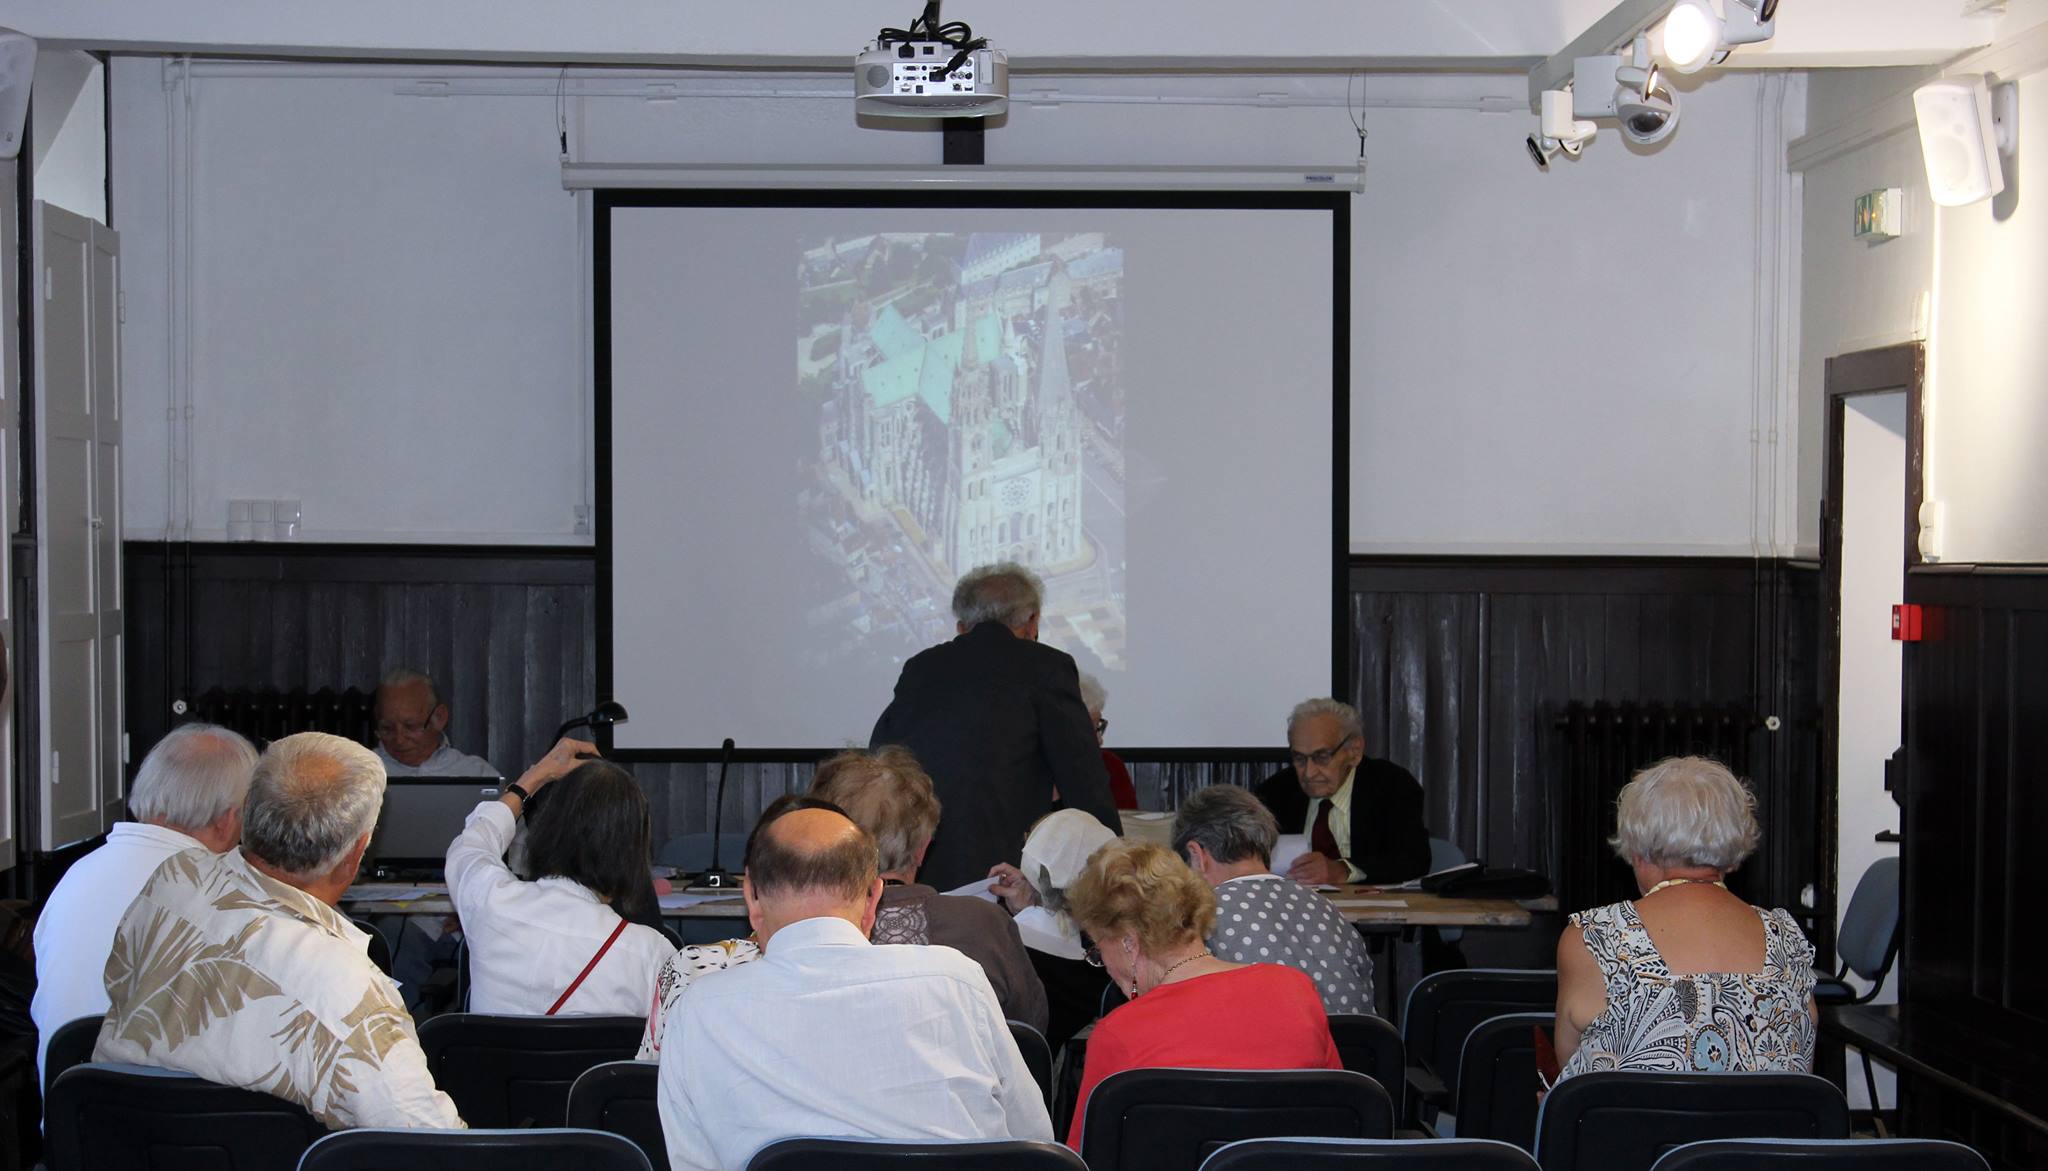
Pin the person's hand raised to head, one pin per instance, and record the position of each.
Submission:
(567, 753)
(1012, 887)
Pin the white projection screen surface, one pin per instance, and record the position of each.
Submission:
(816, 410)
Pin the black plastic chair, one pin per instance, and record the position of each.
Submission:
(549, 1149)
(1341, 1154)
(516, 1070)
(1037, 1057)
(1497, 1079)
(1624, 1121)
(140, 1119)
(380, 947)
(72, 1044)
(619, 1098)
(1372, 1046)
(1172, 1119)
(1442, 1010)
(1848, 1154)
(861, 1154)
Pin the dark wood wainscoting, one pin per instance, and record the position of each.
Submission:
(1463, 667)
(1975, 820)
(1458, 664)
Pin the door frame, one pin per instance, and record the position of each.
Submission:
(1901, 367)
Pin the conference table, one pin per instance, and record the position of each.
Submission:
(1369, 907)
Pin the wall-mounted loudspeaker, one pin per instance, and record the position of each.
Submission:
(1963, 131)
(17, 74)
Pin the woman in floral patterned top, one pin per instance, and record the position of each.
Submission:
(1687, 978)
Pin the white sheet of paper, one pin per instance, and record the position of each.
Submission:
(1286, 848)
(980, 888)
(678, 900)
(1369, 902)
(1041, 930)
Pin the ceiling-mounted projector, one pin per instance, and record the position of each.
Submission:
(931, 70)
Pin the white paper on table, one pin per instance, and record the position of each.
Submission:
(387, 892)
(677, 900)
(980, 888)
(1286, 848)
(1369, 902)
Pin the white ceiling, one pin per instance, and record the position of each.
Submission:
(1464, 35)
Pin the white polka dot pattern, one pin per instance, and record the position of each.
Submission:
(1293, 925)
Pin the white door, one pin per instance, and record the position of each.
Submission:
(76, 373)
(10, 423)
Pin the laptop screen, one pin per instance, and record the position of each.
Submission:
(421, 818)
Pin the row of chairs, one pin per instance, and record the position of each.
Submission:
(1138, 1120)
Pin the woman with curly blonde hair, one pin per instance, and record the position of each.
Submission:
(1147, 914)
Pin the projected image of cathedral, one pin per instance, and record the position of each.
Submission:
(969, 411)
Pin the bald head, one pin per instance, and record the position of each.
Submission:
(809, 850)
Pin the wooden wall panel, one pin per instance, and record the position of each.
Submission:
(1457, 665)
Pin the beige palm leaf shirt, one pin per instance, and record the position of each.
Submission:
(225, 972)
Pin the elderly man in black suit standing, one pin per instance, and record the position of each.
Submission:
(996, 718)
(1363, 817)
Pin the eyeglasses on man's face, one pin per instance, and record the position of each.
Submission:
(1321, 757)
(1101, 725)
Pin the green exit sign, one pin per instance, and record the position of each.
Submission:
(1877, 214)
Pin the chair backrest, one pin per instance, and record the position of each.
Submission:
(1037, 1057)
(380, 948)
(862, 1154)
(1444, 1007)
(1846, 1154)
(1444, 854)
(1171, 1119)
(138, 1119)
(72, 1044)
(517, 1070)
(1624, 1121)
(1395, 1154)
(546, 1149)
(1870, 928)
(1371, 1046)
(1497, 1078)
(619, 1098)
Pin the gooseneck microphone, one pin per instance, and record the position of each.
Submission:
(717, 877)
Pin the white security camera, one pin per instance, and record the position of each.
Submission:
(1646, 108)
(1559, 133)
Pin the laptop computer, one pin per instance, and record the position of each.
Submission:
(421, 817)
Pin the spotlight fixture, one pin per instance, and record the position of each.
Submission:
(1634, 94)
(1693, 36)
(1559, 133)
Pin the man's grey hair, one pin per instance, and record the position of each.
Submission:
(1686, 811)
(1093, 694)
(1231, 824)
(312, 796)
(1348, 722)
(196, 773)
(1005, 592)
(406, 676)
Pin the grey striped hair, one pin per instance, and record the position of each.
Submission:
(1231, 824)
(1686, 811)
(1308, 709)
(312, 797)
(1005, 592)
(196, 773)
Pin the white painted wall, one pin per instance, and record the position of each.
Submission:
(1988, 418)
(69, 140)
(1871, 664)
(386, 286)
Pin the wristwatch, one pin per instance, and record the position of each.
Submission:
(524, 796)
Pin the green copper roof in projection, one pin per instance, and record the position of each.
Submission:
(924, 368)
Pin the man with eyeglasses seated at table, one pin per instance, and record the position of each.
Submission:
(411, 730)
(1362, 817)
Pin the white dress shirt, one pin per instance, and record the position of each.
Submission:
(528, 940)
(76, 929)
(445, 762)
(828, 1034)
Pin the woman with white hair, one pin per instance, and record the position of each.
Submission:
(1688, 977)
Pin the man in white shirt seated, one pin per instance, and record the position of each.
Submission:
(828, 1034)
(237, 967)
(411, 730)
(188, 793)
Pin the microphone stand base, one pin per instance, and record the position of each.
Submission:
(713, 882)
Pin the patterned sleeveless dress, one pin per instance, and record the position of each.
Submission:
(1703, 1023)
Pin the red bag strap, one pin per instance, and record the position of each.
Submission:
(580, 976)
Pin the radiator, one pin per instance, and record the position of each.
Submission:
(1604, 745)
(264, 714)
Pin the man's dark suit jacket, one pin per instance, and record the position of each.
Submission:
(1388, 841)
(998, 722)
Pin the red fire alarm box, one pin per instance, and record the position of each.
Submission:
(1906, 622)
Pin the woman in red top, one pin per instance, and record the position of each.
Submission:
(1147, 914)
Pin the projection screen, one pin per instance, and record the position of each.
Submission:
(816, 410)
